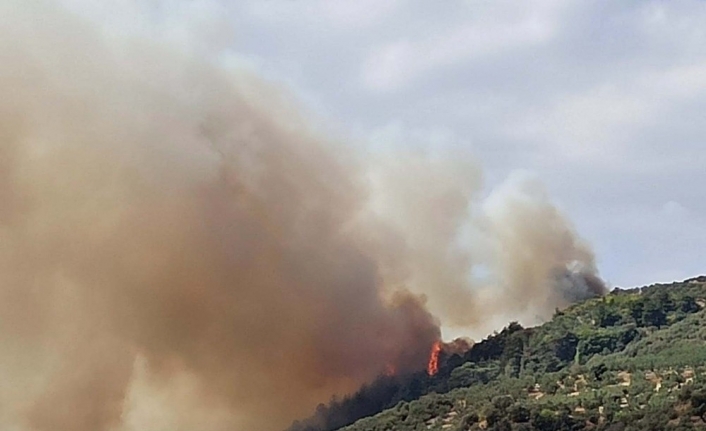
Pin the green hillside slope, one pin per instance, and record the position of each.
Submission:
(632, 360)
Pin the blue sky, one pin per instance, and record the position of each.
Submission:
(604, 101)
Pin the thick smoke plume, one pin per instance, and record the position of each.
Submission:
(180, 249)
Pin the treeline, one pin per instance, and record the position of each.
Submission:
(455, 371)
(568, 374)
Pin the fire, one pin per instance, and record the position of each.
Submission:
(433, 366)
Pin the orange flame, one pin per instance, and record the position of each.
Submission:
(433, 366)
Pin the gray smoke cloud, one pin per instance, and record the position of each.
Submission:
(181, 249)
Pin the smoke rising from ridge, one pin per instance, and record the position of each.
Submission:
(180, 248)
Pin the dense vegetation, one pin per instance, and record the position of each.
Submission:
(632, 360)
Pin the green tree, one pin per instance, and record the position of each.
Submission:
(654, 315)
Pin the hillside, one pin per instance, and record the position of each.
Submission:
(632, 360)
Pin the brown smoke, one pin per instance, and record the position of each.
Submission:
(180, 249)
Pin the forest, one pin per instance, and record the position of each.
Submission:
(631, 360)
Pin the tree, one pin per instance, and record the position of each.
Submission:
(654, 315)
(637, 309)
(511, 358)
(606, 316)
(544, 420)
(565, 347)
(468, 421)
(518, 413)
(698, 404)
(688, 304)
(665, 301)
(598, 371)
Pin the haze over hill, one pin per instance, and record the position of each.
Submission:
(181, 248)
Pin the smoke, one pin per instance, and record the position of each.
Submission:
(181, 249)
(481, 260)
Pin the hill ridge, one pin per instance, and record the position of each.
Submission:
(632, 359)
